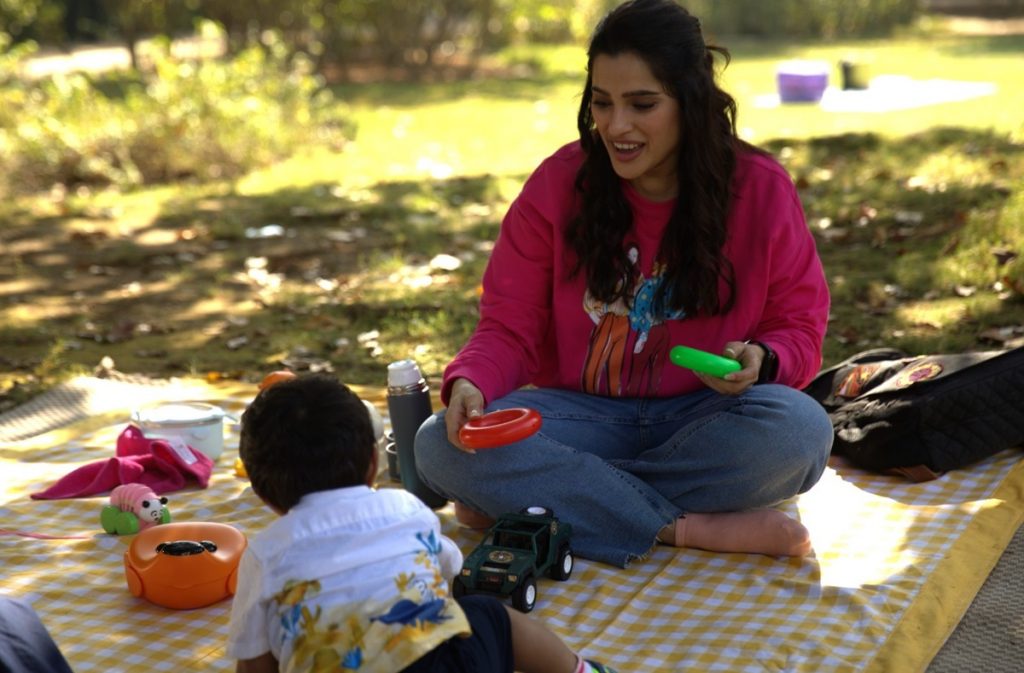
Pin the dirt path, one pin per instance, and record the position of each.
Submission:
(98, 58)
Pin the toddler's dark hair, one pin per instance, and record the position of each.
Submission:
(304, 435)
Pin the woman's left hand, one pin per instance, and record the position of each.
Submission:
(750, 356)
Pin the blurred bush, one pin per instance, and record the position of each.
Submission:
(827, 19)
(415, 36)
(10, 58)
(205, 119)
(412, 35)
(174, 119)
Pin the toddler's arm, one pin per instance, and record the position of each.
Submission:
(450, 558)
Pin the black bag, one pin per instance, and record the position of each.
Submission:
(922, 416)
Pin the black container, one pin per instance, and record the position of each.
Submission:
(409, 406)
(855, 75)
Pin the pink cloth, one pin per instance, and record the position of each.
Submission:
(162, 465)
(539, 325)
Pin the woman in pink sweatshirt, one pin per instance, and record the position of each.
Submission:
(659, 227)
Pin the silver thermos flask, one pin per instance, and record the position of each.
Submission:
(409, 406)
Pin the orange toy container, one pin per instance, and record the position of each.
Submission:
(184, 565)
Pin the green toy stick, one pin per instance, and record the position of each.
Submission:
(702, 361)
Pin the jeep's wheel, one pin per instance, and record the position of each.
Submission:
(561, 569)
(525, 595)
(458, 588)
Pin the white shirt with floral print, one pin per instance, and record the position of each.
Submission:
(350, 579)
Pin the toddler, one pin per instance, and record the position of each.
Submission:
(353, 578)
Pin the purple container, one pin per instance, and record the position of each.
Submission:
(801, 83)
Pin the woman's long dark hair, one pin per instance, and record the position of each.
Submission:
(669, 40)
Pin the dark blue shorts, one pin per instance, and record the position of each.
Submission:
(25, 644)
(488, 650)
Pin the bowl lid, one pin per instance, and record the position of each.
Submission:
(178, 413)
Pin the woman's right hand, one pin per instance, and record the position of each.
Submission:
(465, 402)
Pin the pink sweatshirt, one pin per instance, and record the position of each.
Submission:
(538, 327)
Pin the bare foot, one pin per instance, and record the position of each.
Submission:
(756, 531)
(470, 518)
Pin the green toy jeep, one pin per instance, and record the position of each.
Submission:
(518, 548)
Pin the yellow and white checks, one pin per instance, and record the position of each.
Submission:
(895, 565)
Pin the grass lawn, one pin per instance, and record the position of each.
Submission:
(467, 126)
(348, 260)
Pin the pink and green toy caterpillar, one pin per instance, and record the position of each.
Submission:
(133, 507)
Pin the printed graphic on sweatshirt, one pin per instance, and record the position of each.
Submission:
(629, 344)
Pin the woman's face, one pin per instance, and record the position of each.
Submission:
(638, 123)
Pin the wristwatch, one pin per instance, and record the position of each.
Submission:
(769, 364)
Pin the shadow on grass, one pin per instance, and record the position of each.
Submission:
(397, 94)
(236, 284)
(907, 230)
(224, 284)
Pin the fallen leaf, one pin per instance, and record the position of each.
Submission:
(909, 217)
(151, 354)
(965, 290)
(1003, 255)
(1015, 284)
(445, 262)
(266, 231)
(1001, 335)
(122, 331)
(105, 367)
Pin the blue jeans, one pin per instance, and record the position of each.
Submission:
(621, 469)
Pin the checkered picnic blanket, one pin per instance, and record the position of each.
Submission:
(895, 566)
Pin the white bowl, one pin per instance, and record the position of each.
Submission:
(198, 424)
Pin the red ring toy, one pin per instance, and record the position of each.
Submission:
(499, 428)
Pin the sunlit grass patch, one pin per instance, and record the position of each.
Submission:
(348, 257)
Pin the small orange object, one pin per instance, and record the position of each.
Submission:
(276, 377)
(184, 565)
